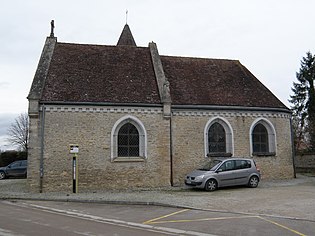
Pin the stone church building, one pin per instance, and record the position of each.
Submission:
(141, 119)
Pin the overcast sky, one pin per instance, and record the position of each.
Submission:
(268, 37)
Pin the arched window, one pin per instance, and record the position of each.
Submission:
(260, 139)
(217, 139)
(128, 140)
(218, 136)
(263, 138)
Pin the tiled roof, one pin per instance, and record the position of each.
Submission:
(124, 74)
(93, 73)
(126, 38)
(200, 81)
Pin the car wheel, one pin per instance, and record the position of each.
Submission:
(253, 182)
(2, 175)
(211, 185)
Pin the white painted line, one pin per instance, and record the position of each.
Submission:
(4, 232)
(112, 221)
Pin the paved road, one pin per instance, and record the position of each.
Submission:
(286, 198)
(25, 219)
(283, 207)
(69, 218)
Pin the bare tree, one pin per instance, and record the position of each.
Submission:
(18, 132)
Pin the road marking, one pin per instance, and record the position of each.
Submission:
(4, 232)
(145, 225)
(282, 226)
(202, 219)
(165, 216)
(159, 221)
(121, 223)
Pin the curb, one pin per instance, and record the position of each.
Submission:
(150, 203)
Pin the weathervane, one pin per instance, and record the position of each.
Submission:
(52, 26)
(126, 17)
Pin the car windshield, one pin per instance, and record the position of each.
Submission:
(211, 165)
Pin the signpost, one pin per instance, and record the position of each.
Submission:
(74, 149)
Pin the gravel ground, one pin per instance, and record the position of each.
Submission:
(294, 198)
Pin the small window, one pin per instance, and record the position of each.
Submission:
(228, 165)
(24, 163)
(217, 141)
(218, 138)
(260, 139)
(242, 164)
(263, 138)
(128, 141)
(15, 164)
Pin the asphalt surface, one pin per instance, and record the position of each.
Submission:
(21, 217)
(292, 199)
(18, 219)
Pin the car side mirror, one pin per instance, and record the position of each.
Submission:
(219, 170)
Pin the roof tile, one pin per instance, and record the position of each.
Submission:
(93, 73)
(116, 74)
(201, 81)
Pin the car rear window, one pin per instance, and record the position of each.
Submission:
(24, 163)
(242, 164)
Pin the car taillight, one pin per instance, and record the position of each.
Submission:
(257, 168)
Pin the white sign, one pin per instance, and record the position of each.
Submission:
(74, 148)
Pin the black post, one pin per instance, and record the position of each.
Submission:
(74, 165)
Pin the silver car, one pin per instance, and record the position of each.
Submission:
(225, 172)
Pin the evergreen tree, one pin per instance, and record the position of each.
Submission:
(303, 101)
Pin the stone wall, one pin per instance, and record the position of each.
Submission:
(33, 159)
(91, 129)
(305, 163)
(188, 142)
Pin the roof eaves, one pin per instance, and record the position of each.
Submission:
(230, 108)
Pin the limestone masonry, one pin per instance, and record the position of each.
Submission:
(142, 120)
